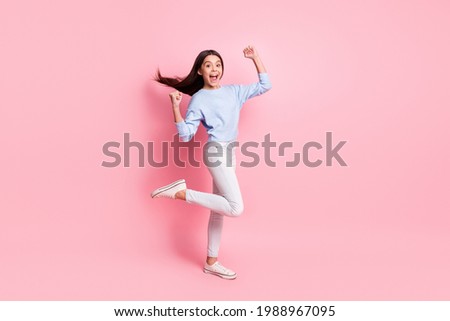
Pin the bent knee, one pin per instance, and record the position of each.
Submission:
(237, 209)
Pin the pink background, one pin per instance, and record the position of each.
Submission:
(77, 74)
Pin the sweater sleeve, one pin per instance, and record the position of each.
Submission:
(188, 127)
(246, 92)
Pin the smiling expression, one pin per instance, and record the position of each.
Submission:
(211, 71)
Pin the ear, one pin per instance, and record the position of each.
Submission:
(199, 72)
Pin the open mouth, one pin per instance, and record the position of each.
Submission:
(214, 77)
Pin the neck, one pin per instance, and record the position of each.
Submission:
(211, 87)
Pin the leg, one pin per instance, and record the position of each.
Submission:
(215, 226)
(229, 202)
(212, 266)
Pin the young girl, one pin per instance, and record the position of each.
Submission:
(217, 107)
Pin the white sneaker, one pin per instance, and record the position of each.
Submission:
(170, 190)
(219, 270)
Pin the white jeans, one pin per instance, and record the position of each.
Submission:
(226, 198)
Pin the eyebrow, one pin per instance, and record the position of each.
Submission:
(217, 61)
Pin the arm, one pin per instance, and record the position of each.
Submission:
(263, 85)
(175, 97)
(186, 128)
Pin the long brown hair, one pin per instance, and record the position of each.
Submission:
(193, 82)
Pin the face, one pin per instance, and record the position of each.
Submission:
(211, 70)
